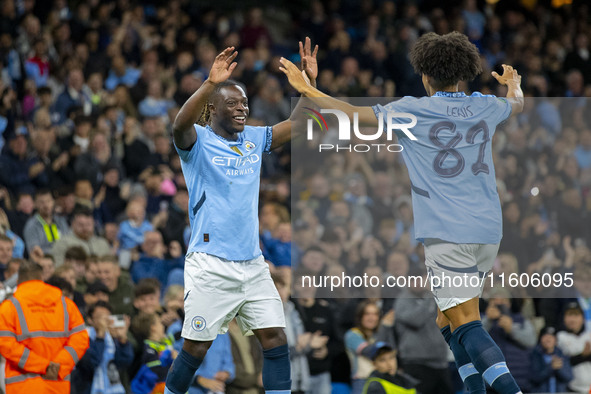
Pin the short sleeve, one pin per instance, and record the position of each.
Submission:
(353, 341)
(187, 154)
(394, 106)
(504, 109)
(268, 138)
(502, 106)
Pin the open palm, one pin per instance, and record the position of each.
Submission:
(309, 62)
(223, 65)
(297, 78)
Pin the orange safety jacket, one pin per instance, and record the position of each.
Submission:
(38, 325)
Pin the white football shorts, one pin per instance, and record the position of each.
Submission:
(456, 271)
(217, 290)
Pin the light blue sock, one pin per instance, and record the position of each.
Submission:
(277, 370)
(470, 376)
(486, 357)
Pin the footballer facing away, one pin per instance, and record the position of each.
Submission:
(225, 273)
(457, 213)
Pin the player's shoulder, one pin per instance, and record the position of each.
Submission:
(402, 102)
(256, 134)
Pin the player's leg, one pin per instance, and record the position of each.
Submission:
(183, 368)
(470, 376)
(262, 313)
(460, 307)
(211, 302)
(486, 356)
(276, 366)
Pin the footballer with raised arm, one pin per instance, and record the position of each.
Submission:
(226, 275)
(457, 212)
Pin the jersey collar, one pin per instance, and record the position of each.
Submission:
(238, 141)
(449, 94)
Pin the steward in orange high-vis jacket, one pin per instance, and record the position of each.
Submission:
(42, 336)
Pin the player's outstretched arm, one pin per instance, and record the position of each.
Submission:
(512, 79)
(182, 130)
(282, 133)
(298, 81)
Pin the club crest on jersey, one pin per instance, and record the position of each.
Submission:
(249, 146)
(235, 149)
(198, 323)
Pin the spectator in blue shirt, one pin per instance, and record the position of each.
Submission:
(154, 105)
(121, 74)
(72, 96)
(37, 67)
(152, 263)
(583, 150)
(131, 231)
(97, 371)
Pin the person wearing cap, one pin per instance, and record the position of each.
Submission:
(386, 378)
(575, 343)
(550, 369)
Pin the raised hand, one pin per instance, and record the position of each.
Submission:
(510, 76)
(298, 79)
(223, 65)
(309, 62)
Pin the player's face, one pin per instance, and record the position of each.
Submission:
(231, 109)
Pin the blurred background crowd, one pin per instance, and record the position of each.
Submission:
(91, 187)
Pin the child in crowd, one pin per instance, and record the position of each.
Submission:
(131, 231)
(386, 378)
(157, 355)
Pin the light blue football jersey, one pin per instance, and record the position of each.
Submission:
(450, 165)
(223, 179)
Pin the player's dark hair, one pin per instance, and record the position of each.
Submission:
(205, 115)
(447, 59)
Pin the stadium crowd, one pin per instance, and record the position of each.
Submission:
(92, 190)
